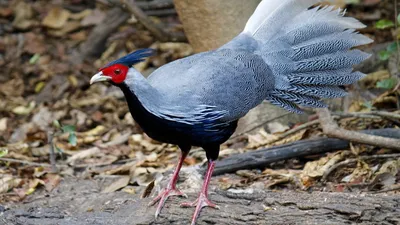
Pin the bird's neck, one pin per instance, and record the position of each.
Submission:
(143, 99)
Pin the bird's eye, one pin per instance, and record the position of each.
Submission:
(117, 71)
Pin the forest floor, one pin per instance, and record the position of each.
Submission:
(70, 153)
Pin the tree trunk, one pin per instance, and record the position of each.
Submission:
(209, 24)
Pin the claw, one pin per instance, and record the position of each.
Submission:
(171, 189)
(163, 196)
(201, 202)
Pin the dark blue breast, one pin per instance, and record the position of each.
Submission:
(200, 134)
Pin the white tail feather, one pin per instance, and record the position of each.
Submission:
(307, 50)
(274, 14)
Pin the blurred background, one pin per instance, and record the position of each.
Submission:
(49, 115)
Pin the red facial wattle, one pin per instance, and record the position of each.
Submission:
(116, 72)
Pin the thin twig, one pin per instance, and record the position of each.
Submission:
(357, 115)
(371, 115)
(393, 117)
(147, 5)
(396, 29)
(28, 163)
(349, 161)
(397, 41)
(330, 128)
(387, 114)
(50, 136)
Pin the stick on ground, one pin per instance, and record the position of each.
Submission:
(261, 158)
(330, 128)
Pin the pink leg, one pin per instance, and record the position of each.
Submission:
(202, 200)
(171, 189)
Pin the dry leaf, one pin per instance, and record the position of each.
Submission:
(129, 189)
(80, 15)
(143, 176)
(51, 181)
(122, 169)
(56, 18)
(391, 166)
(24, 110)
(7, 183)
(261, 138)
(23, 16)
(362, 173)
(95, 131)
(386, 100)
(318, 168)
(276, 127)
(118, 184)
(139, 140)
(83, 154)
(35, 44)
(292, 138)
(3, 124)
(43, 118)
(14, 87)
(94, 18)
(179, 50)
(33, 184)
(69, 27)
(79, 36)
(382, 181)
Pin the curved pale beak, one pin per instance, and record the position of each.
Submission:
(98, 77)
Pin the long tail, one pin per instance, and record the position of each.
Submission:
(308, 50)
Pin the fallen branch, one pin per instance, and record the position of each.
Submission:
(330, 128)
(349, 161)
(260, 158)
(95, 43)
(164, 4)
(131, 7)
(161, 12)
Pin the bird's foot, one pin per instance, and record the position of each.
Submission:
(201, 202)
(163, 196)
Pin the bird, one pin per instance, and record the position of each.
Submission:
(291, 53)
